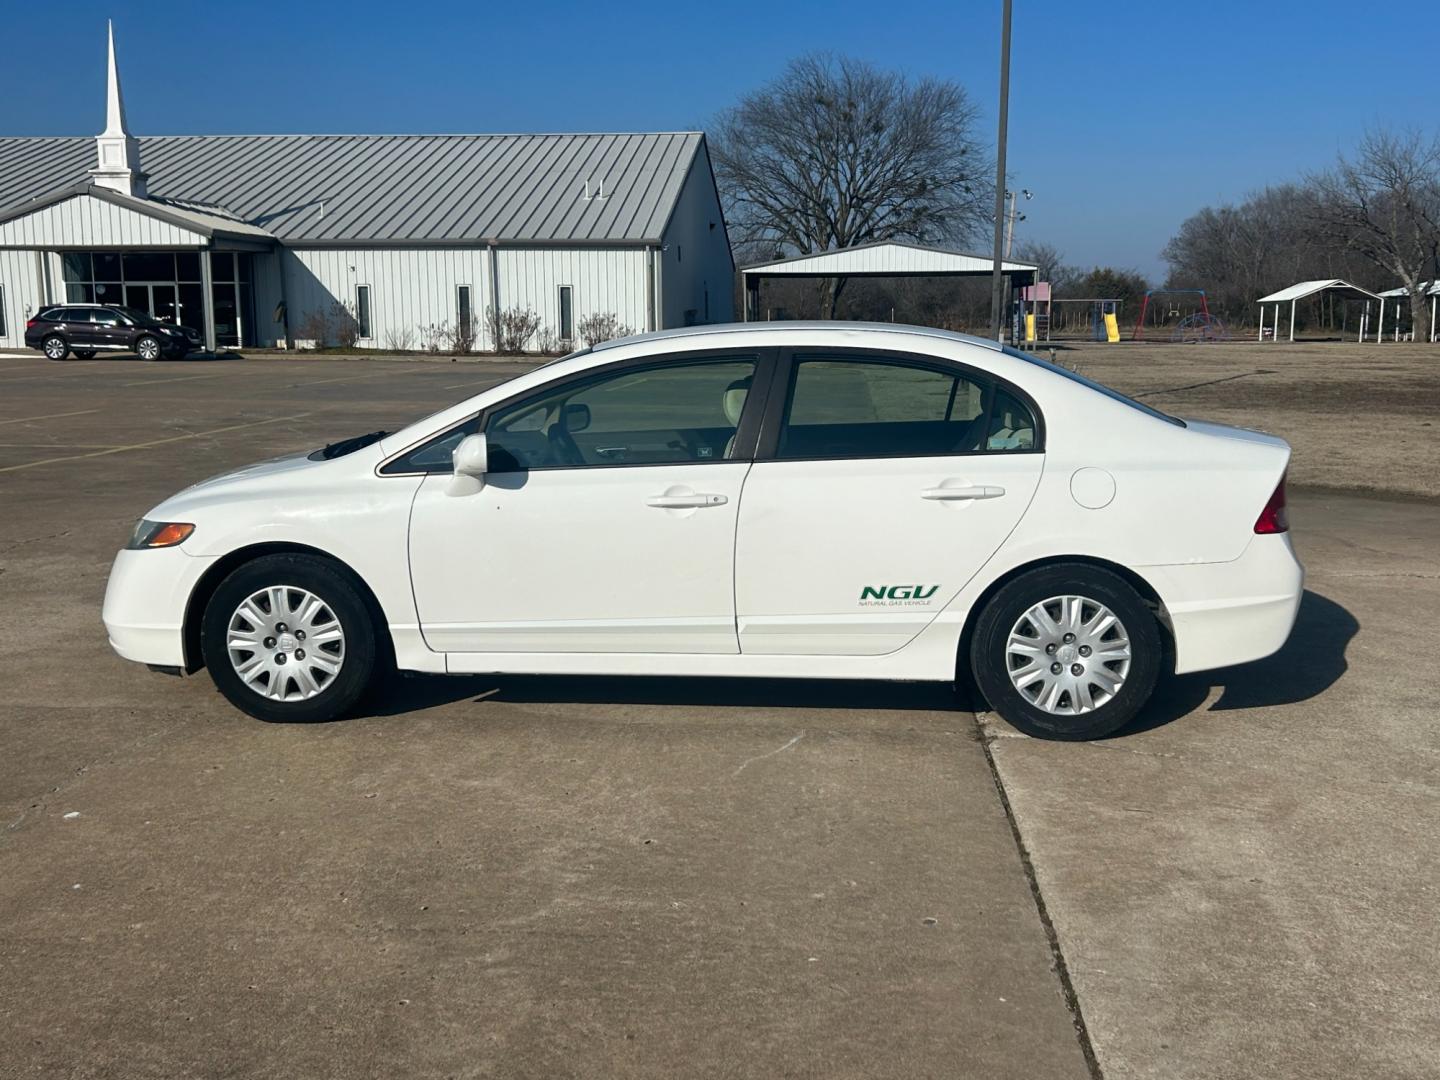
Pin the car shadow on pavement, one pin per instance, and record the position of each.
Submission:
(415, 692)
(1309, 663)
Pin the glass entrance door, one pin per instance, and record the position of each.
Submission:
(155, 298)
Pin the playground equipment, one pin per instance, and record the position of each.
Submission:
(1097, 319)
(1200, 327)
(1173, 310)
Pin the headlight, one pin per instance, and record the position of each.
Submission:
(158, 534)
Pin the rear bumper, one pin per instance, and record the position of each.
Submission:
(1231, 613)
(145, 599)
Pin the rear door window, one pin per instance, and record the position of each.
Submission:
(881, 408)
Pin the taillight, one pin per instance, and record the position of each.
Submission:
(1273, 518)
(29, 324)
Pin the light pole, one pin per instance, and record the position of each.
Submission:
(996, 281)
(1014, 217)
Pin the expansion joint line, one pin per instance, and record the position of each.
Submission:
(1062, 971)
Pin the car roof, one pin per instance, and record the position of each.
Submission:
(812, 325)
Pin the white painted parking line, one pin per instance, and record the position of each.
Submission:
(154, 442)
(161, 380)
(48, 416)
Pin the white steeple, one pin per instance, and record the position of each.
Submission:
(118, 152)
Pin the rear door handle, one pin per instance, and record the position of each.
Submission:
(979, 491)
(685, 502)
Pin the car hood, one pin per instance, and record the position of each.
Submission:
(270, 467)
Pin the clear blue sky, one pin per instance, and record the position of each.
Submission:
(1123, 122)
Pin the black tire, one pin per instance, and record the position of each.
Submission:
(148, 344)
(55, 347)
(85, 354)
(991, 659)
(337, 588)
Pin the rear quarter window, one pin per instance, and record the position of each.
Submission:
(1098, 387)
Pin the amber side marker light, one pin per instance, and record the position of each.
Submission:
(159, 534)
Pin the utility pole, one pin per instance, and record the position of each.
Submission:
(1013, 217)
(996, 280)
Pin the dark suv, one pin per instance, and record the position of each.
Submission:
(86, 329)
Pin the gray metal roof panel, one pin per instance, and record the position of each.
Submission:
(392, 188)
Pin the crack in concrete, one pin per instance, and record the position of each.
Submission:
(772, 753)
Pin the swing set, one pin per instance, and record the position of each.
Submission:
(1172, 310)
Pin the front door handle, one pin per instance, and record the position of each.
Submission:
(979, 491)
(686, 502)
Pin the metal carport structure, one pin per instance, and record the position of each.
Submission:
(885, 258)
(1432, 290)
(1303, 290)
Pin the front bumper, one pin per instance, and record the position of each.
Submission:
(145, 599)
(1234, 612)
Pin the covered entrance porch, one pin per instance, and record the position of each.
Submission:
(182, 263)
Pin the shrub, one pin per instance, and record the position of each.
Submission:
(548, 343)
(601, 326)
(434, 336)
(462, 338)
(512, 329)
(398, 340)
(316, 327)
(347, 326)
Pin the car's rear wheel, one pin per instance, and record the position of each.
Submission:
(290, 638)
(55, 347)
(148, 348)
(1068, 651)
(85, 354)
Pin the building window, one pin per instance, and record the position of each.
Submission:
(463, 318)
(567, 314)
(3, 330)
(362, 310)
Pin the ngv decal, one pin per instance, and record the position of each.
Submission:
(892, 594)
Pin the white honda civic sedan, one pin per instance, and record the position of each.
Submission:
(821, 501)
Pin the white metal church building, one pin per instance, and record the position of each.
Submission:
(243, 236)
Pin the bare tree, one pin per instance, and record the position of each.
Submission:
(836, 153)
(1384, 203)
(1049, 263)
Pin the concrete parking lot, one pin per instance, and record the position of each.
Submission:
(627, 877)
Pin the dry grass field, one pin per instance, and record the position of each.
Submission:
(1363, 418)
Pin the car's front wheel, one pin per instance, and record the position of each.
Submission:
(148, 348)
(55, 347)
(289, 637)
(1068, 651)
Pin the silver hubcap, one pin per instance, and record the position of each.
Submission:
(1068, 655)
(54, 348)
(285, 643)
(149, 350)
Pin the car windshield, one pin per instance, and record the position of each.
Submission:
(1098, 387)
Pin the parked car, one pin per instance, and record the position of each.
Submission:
(86, 329)
(790, 500)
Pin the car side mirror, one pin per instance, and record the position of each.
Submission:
(470, 459)
(576, 418)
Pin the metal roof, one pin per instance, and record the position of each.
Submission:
(206, 220)
(1431, 289)
(1302, 289)
(886, 257)
(332, 189)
